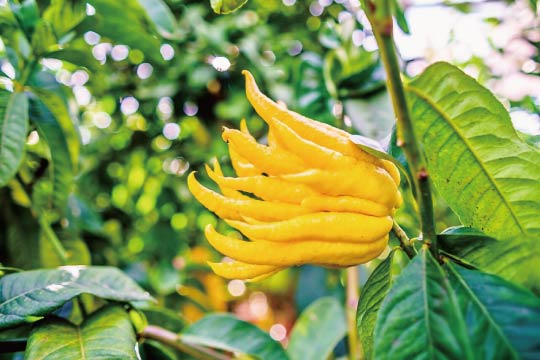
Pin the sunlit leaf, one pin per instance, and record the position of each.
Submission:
(106, 334)
(64, 15)
(226, 6)
(161, 16)
(484, 171)
(318, 330)
(39, 292)
(13, 129)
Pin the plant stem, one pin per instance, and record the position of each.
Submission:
(350, 308)
(53, 239)
(380, 16)
(404, 240)
(175, 341)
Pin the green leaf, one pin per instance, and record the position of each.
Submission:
(372, 295)
(161, 16)
(225, 332)
(399, 14)
(58, 108)
(62, 168)
(318, 330)
(13, 129)
(64, 15)
(39, 292)
(27, 14)
(43, 38)
(226, 6)
(420, 317)
(75, 56)
(484, 171)
(503, 320)
(513, 260)
(106, 334)
(125, 22)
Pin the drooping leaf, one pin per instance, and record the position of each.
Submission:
(226, 332)
(399, 14)
(106, 334)
(62, 168)
(503, 320)
(161, 16)
(226, 6)
(125, 22)
(39, 292)
(372, 295)
(13, 129)
(420, 316)
(484, 171)
(318, 330)
(58, 107)
(64, 15)
(513, 259)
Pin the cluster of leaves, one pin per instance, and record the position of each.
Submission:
(120, 200)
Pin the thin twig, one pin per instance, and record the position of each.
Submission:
(404, 240)
(380, 16)
(353, 294)
(175, 341)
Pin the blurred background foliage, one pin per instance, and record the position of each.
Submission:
(139, 91)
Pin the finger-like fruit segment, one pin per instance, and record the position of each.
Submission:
(322, 226)
(264, 187)
(241, 166)
(345, 204)
(317, 132)
(287, 254)
(228, 192)
(376, 185)
(241, 270)
(229, 208)
(270, 160)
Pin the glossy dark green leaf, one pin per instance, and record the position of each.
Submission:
(62, 168)
(484, 171)
(503, 320)
(58, 107)
(64, 15)
(318, 330)
(161, 16)
(420, 316)
(125, 22)
(165, 318)
(372, 295)
(226, 332)
(226, 6)
(106, 334)
(39, 292)
(13, 129)
(513, 259)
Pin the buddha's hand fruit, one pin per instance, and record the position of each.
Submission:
(317, 197)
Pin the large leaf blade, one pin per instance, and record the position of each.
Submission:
(372, 295)
(512, 260)
(420, 317)
(161, 16)
(318, 330)
(503, 320)
(13, 129)
(62, 173)
(484, 171)
(224, 331)
(39, 292)
(106, 334)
